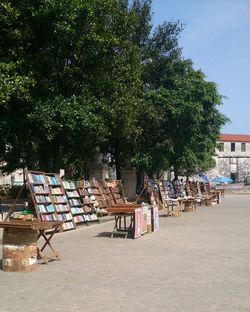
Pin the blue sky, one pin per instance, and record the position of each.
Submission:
(217, 38)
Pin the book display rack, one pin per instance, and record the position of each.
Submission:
(95, 194)
(116, 192)
(178, 188)
(49, 198)
(205, 188)
(60, 201)
(100, 202)
(169, 190)
(107, 195)
(76, 206)
(88, 201)
(40, 195)
(151, 194)
(162, 195)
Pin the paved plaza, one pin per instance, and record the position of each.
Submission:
(198, 262)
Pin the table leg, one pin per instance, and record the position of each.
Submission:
(125, 227)
(131, 226)
(120, 223)
(55, 254)
(115, 227)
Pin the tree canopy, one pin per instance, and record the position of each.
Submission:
(77, 76)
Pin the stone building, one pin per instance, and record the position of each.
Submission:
(233, 156)
(14, 178)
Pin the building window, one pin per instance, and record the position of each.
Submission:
(232, 147)
(221, 147)
(243, 147)
(233, 160)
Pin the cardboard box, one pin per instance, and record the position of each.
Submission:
(208, 202)
(19, 258)
(203, 202)
(16, 236)
(13, 252)
(19, 265)
(19, 250)
(189, 206)
(175, 213)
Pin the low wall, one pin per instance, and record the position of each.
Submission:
(237, 188)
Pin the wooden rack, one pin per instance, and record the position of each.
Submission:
(76, 206)
(88, 201)
(49, 199)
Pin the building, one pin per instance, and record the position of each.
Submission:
(14, 178)
(233, 156)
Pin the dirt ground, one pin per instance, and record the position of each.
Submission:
(197, 262)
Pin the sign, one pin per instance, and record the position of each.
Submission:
(155, 219)
(149, 220)
(138, 222)
(144, 219)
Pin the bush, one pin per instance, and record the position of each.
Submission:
(8, 191)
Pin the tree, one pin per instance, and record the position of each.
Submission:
(78, 76)
(46, 107)
(181, 124)
(202, 123)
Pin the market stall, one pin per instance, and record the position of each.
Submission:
(132, 220)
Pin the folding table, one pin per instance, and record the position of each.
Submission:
(40, 227)
(122, 213)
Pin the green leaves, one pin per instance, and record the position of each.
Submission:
(77, 76)
(180, 121)
(13, 84)
(61, 116)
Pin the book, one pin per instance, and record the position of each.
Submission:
(42, 199)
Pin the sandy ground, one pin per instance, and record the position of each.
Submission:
(197, 262)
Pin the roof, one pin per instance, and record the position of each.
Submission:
(235, 137)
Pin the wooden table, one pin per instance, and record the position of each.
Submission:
(40, 227)
(122, 213)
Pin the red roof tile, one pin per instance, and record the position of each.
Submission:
(235, 137)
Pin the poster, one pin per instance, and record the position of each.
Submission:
(144, 219)
(138, 222)
(155, 219)
(149, 220)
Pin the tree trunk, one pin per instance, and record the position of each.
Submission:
(117, 161)
(139, 180)
(118, 166)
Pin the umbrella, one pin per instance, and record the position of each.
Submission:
(204, 178)
(221, 179)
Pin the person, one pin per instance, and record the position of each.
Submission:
(175, 178)
(177, 186)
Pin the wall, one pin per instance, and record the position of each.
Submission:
(236, 162)
(15, 178)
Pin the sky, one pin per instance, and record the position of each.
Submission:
(216, 37)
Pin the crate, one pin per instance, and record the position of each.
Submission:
(19, 250)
